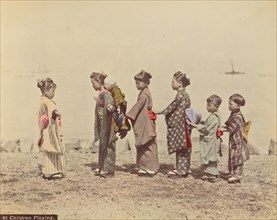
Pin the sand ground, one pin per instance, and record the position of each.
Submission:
(81, 195)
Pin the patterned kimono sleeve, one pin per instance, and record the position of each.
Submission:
(187, 101)
(43, 110)
(210, 125)
(96, 127)
(173, 105)
(135, 110)
(234, 125)
(108, 100)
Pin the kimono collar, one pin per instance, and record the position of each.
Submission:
(47, 99)
(233, 114)
(145, 90)
(181, 89)
(102, 91)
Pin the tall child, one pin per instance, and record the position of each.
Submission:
(50, 142)
(238, 153)
(103, 129)
(210, 142)
(178, 132)
(143, 122)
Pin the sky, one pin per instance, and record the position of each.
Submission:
(124, 36)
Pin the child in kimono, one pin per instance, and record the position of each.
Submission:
(143, 123)
(238, 152)
(210, 143)
(120, 125)
(178, 131)
(103, 129)
(50, 142)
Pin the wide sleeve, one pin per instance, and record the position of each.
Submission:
(209, 126)
(43, 109)
(108, 99)
(172, 106)
(234, 125)
(43, 115)
(135, 110)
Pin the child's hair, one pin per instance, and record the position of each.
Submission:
(143, 76)
(44, 84)
(98, 77)
(215, 99)
(238, 99)
(181, 77)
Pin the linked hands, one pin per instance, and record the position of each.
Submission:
(157, 112)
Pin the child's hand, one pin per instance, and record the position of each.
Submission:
(223, 128)
(110, 108)
(157, 112)
(202, 122)
(193, 125)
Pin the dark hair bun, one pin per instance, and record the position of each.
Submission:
(143, 76)
(181, 77)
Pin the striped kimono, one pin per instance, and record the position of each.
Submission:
(238, 152)
(52, 145)
(104, 132)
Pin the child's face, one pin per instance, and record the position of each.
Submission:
(233, 106)
(140, 84)
(50, 93)
(211, 107)
(96, 85)
(175, 84)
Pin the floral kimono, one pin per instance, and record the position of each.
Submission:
(144, 130)
(178, 133)
(103, 131)
(51, 142)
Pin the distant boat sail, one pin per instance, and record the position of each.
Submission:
(233, 70)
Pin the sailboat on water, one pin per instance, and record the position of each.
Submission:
(233, 72)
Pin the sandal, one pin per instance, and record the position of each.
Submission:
(54, 176)
(234, 179)
(210, 178)
(105, 174)
(97, 172)
(144, 172)
(175, 173)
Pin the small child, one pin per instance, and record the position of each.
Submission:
(210, 143)
(119, 124)
(50, 141)
(238, 153)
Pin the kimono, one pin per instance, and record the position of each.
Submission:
(238, 152)
(51, 143)
(176, 122)
(210, 143)
(118, 124)
(178, 132)
(144, 131)
(104, 132)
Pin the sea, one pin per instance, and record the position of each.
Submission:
(75, 100)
